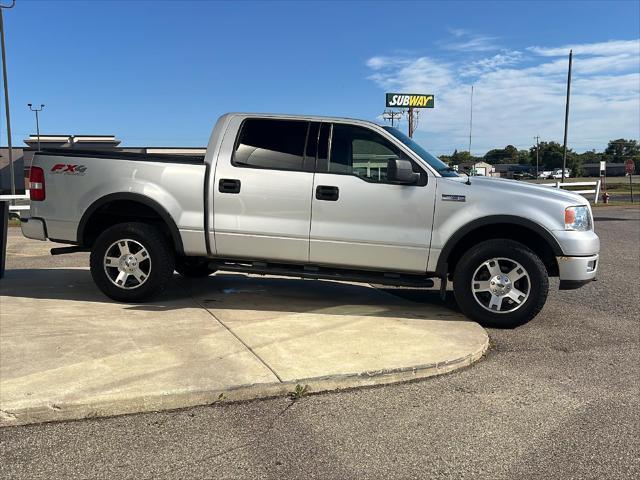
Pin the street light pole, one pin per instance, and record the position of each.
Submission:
(6, 99)
(537, 137)
(37, 110)
(4, 205)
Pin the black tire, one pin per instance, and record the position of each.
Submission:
(160, 256)
(194, 267)
(509, 250)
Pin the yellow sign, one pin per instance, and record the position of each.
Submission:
(413, 100)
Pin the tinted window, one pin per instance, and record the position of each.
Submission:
(277, 144)
(441, 167)
(361, 152)
(323, 142)
(312, 140)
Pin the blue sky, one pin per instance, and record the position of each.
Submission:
(160, 73)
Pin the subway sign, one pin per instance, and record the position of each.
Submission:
(405, 100)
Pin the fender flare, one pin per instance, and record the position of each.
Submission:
(454, 239)
(133, 197)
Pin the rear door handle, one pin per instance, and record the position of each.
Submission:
(227, 185)
(328, 193)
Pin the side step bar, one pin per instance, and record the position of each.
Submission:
(323, 273)
(65, 250)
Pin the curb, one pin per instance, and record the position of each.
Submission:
(112, 405)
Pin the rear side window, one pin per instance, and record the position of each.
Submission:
(271, 144)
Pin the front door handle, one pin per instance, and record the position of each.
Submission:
(227, 185)
(328, 193)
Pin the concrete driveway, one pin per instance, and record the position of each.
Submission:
(68, 352)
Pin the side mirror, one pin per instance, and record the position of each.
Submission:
(401, 171)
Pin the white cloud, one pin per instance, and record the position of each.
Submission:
(613, 47)
(477, 67)
(519, 95)
(466, 41)
(417, 73)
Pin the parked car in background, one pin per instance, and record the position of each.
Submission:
(313, 197)
(545, 174)
(557, 173)
(523, 176)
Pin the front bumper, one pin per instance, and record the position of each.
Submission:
(34, 228)
(577, 271)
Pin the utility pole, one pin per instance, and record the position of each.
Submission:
(471, 121)
(391, 115)
(537, 137)
(6, 98)
(37, 110)
(566, 116)
(410, 117)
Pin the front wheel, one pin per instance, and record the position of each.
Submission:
(131, 262)
(500, 283)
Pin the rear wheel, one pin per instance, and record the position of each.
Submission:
(131, 262)
(501, 283)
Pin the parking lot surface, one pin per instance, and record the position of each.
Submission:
(556, 398)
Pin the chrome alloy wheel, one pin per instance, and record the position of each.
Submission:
(501, 285)
(127, 264)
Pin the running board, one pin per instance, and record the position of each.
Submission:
(65, 250)
(324, 273)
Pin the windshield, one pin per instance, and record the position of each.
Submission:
(441, 167)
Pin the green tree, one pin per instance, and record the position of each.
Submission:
(590, 156)
(551, 154)
(508, 154)
(523, 157)
(446, 159)
(462, 157)
(574, 163)
(620, 150)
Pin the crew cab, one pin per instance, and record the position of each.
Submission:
(313, 197)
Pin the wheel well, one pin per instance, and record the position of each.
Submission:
(113, 212)
(528, 237)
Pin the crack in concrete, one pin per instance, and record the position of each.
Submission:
(199, 303)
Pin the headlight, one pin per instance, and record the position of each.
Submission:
(577, 218)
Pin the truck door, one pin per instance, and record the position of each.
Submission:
(262, 196)
(358, 218)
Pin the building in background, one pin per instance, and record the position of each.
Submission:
(22, 156)
(476, 168)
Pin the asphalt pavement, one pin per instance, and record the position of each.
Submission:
(556, 398)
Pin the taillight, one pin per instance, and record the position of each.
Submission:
(36, 184)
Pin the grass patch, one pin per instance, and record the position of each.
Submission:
(299, 392)
(615, 203)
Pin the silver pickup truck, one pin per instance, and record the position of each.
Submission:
(313, 197)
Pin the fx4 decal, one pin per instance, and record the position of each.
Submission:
(66, 169)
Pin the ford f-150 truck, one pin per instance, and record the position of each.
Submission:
(313, 197)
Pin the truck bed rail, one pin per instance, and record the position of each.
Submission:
(119, 155)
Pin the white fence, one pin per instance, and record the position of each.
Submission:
(567, 185)
(17, 208)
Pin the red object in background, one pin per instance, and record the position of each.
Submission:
(36, 184)
(605, 197)
(629, 167)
